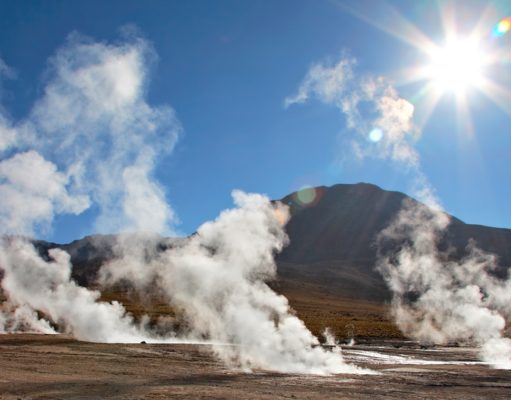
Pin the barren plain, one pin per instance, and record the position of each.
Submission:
(59, 367)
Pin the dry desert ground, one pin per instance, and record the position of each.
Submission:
(59, 367)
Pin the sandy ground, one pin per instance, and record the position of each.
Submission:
(56, 367)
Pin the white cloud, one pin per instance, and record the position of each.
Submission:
(32, 192)
(437, 299)
(367, 103)
(217, 279)
(395, 120)
(326, 83)
(144, 200)
(6, 71)
(94, 125)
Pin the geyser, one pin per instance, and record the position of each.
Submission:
(92, 139)
(438, 299)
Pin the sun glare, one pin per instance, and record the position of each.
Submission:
(456, 67)
(468, 61)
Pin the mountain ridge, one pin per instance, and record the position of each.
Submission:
(327, 272)
(332, 248)
(335, 236)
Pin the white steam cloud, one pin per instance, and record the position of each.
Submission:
(32, 283)
(92, 140)
(371, 106)
(32, 191)
(94, 131)
(440, 300)
(435, 299)
(217, 278)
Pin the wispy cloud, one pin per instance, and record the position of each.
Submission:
(32, 191)
(6, 72)
(327, 83)
(371, 106)
(7, 133)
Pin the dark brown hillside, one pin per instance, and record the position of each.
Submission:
(341, 225)
(332, 241)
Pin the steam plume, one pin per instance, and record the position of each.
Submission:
(89, 140)
(32, 283)
(440, 300)
(371, 106)
(93, 140)
(435, 298)
(217, 277)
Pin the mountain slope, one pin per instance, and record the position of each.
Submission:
(332, 239)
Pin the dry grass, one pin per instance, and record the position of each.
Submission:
(345, 317)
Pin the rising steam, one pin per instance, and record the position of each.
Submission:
(33, 284)
(91, 143)
(440, 300)
(436, 299)
(217, 277)
(371, 106)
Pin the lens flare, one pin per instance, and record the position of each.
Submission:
(467, 63)
(375, 135)
(308, 196)
(502, 27)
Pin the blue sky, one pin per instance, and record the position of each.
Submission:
(226, 67)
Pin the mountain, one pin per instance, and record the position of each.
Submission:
(332, 238)
(91, 252)
(327, 271)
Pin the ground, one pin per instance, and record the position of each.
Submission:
(59, 367)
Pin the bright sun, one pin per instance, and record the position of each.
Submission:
(456, 67)
(473, 59)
